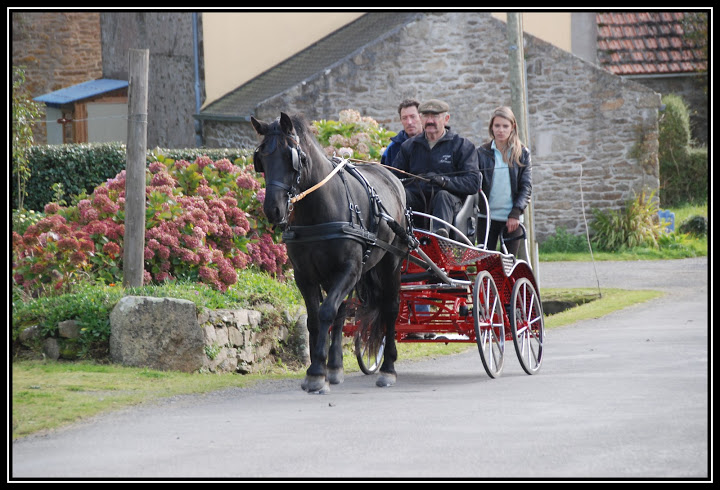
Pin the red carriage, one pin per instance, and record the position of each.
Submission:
(456, 291)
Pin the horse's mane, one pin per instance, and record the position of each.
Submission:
(305, 135)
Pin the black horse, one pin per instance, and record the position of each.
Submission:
(344, 234)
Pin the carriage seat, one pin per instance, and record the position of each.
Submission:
(466, 219)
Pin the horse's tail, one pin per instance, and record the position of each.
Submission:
(369, 315)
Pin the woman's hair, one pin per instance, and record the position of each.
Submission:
(514, 148)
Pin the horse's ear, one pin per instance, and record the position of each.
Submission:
(286, 123)
(260, 127)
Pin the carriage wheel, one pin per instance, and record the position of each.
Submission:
(369, 362)
(489, 325)
(527, 325)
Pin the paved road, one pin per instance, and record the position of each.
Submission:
(623, 397)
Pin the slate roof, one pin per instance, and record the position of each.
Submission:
(337, 46)
(81, 91)
(646, 43)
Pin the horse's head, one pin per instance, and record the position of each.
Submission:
(281, 158)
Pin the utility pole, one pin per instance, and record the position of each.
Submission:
(518, 93)
(134, 240)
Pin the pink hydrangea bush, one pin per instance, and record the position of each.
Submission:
(204, 222)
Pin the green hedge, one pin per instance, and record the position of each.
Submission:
(683, 168)
(82, 167)
(686, 181)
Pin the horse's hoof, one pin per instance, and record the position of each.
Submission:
(336, 376)
(386, 379)
(315, 385)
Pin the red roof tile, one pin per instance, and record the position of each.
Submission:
(634, 43)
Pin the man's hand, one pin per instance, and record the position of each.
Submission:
(437, 180)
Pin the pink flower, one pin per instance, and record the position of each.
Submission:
(191, 241)
(156, 167)
(181, 164)
(68, 244)
(118, 183)
(203, 161)
(77, 258)
(225, 165)
(148, 253)
(89, 214)
(52, 208)
(112, 249)
(246, 181)
(163, 178)
(87, 245)
(32, 231)
(204, 190)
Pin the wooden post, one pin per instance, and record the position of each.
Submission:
(134, 240)
(518, 93)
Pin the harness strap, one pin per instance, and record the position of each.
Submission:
(304, 193)
(334, 230)
(347, 229)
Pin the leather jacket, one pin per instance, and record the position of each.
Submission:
(520, 177)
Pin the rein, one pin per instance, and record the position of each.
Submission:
(411, 175)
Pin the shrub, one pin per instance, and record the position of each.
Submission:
(204, 218)
(25, 112)
(79, 168)
(685, 181)
(23, 218)
(683, 169)
(564, 242)
(695, 225)
(365, 138)
(636, 225)
(90, 305)
(203, 222)
(674, 127)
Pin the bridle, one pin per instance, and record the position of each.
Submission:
(299, 160)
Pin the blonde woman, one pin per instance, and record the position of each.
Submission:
(506, 178)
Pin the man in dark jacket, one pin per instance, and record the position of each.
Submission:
(412, 126)
(444, 163)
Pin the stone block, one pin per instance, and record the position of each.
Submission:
(69, 329)
(158, 333)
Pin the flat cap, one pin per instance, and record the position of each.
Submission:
(435, 106)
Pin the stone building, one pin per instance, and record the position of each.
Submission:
(593, 135)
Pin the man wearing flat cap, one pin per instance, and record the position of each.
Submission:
(446, 165)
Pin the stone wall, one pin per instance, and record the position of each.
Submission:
(581, 118)
(171, 81)
(57, 49)
(172, 335)
(235, 342)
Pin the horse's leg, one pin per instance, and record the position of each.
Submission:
(311, 295)
(316, 380)
(336, 373)
(389, 308)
